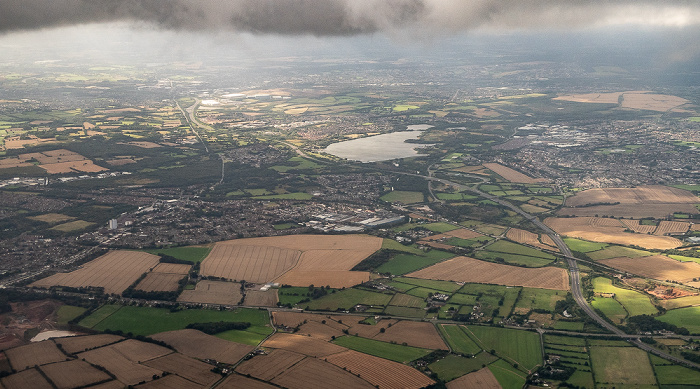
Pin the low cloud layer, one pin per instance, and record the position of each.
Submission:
(348, 17)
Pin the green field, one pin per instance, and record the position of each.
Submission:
(147, 321)
(404, 107)
(618, 251)
(422, 292)
(564, 340)
(582, 379)
(621, 365)
(458, 340)
(96, 317)
(634, 302)
(192, 254)
(404, 300)
(521, 347)
(407, 263)
(683, 317)
(75, 225)
(283, 226)
(508, 376)
(583, 246)
(684, 258)
(252, 335)
(67, 313)
(348, 298)
(404, 312)
(576, 326)
(676, 375)
(612, 309)
(463, 299)
(475, 242)
(393, 352)
(440, 227)
(404, 197)
(453, 366)
(292, 295)
(543, 299)
(394, 245)
(503, 246)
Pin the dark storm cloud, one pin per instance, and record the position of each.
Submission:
(346, 17)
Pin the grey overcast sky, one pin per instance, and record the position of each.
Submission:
(350, 17)
(177, 27)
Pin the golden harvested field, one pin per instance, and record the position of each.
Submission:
(73, 374)
(172, 268)
(75, 225)
(302, 344)
(607, 230)
(299, 260)
(76, 344)
(363, 330)
(26, 379)
(258, 298)
(669, 227)
(634, 225)
(32, 354)
(267, 367)
(658, 267)
(185, 367)
(600, 98)
(213, 292)
(160, 282)
(659, 201)
(527, 237)
(332, 260)
(334, 279)
(197, 344)
(52, 218)
(465, 269)
(630, 99)
(380, 372)
(482, 379)
(548, 241)
(652, 194)
(114, 272)
(312, 373)
(137, 351)
(658, 211)
(414, 333)
(316, 329)
(463, 233)
(85, 166)
(257, 264)
(126, 371)
(512, 175)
